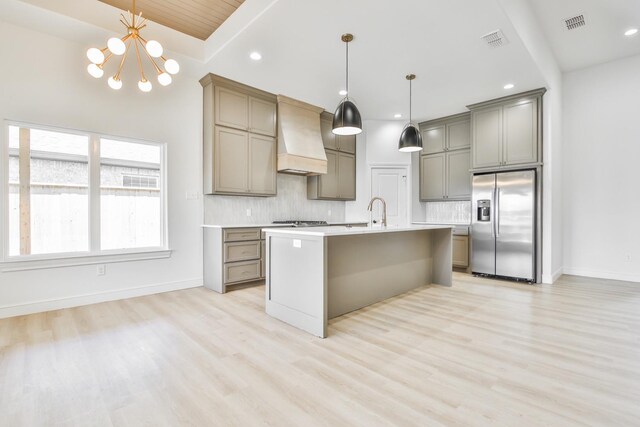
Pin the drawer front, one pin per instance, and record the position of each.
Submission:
(241, 251)
(242, 271)
(240, 234)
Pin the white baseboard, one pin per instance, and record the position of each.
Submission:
(602, 274)
(78, 300)
(549, 279)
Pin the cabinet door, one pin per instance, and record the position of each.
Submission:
(346, 176)
(328, 183)
(262, 117)
(346, 143)
(262, 165)
(520, 133)
(328, 138)
(432, 176)
(231, 108)
(459, 135)
(460, 251)
(486, 149)
(231, 160)
(433, 139)
(458, 176)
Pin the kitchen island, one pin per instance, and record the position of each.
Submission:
(316, 274)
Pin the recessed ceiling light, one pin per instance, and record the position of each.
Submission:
(255, 56)
(630, 32)
(342, 92)
(397, 116)
(509, 86)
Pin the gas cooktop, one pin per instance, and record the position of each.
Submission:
(302, 223)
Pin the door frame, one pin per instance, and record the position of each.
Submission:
(407, 169)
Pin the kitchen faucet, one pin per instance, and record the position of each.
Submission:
(384, 209)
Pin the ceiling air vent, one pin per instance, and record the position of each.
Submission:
(574, 22)
(495, 39)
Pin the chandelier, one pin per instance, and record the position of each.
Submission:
(120, 47)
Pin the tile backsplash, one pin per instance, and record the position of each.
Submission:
(449, 212)
(290, 203)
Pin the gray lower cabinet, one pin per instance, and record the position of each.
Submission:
(239, 151)
(507, 131)
(460, 246)
(339, 183)
(445, 176)
(232, 256)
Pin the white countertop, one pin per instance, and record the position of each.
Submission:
(272, 225)
(346, 231)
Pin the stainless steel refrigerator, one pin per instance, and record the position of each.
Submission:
(504, 225)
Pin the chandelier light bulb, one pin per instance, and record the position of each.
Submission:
(144, 85)
(95, 55)
(114, 83)
(164, 79)
(95, 71)
(154, 48)
(116, 46)
(172, 66)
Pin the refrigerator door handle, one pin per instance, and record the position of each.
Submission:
(493, 213)
(497, 212)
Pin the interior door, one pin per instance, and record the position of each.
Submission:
(391, 185)
(515, 224)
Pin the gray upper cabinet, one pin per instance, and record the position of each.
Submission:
(520, 132)
(487, 137)
(239, 150)
(328, 137)
(458, 182)
(262, 117)
(231, 165)
(432, 176)
(262, 163)
(507, 131)
(231, 108)
(339, 183)
(445, 159)
(433, 139)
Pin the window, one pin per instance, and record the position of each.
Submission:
(57, 205)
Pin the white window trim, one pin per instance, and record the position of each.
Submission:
(94, 255)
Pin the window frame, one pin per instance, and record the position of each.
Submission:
(94, 255)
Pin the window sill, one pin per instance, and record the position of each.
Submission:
(39, 263)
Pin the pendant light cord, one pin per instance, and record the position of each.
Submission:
(410, 102)
(347, 88)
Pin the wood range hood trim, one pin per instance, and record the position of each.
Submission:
(300, 147)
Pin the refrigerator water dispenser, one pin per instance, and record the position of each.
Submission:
(484, 210)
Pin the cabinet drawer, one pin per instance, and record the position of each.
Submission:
(242, 271)
(240, 251)
(240, 234)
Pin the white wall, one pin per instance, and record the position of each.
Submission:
(524, 20)
(376, 145)
(601, 171)
(43, 80)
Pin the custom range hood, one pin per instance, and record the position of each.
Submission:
(300, 148)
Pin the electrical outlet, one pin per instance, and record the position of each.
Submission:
(101, 270)
(248, 212)
(192, 196)
(627, 258)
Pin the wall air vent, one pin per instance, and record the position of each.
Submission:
(574, 22)
(495, 39)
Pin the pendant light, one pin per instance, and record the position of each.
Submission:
(410, 138)
(346, 119)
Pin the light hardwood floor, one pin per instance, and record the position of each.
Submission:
(480, 353)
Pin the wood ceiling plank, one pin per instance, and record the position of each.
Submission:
(197, 18)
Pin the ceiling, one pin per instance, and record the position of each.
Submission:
(600, 40)
(197, 18)
(438, 41)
